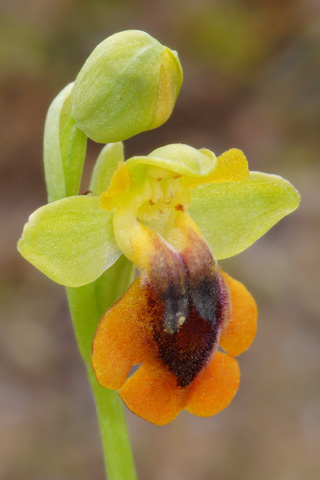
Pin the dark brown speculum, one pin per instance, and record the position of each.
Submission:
(194, 303)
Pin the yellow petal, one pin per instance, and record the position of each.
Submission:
(232, 166)
(119, 185)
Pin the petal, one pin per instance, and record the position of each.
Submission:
(153, 394)
(232, 216)
(106, 164)
(239, 331)
(215, 386)
(178, 158)
(119, 185)
(232, 166)
(123, 337)
(70, 240)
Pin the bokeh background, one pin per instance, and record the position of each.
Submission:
(252, 81)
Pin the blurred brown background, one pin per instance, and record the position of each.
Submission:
(252, 81)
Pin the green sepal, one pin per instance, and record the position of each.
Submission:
(64, 148)
(70, 240)
(106, 164)
(232, 216)
(178, 158)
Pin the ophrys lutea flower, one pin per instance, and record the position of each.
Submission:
(173, 213)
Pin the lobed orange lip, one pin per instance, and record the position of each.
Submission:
(174, 316)
(171, 321)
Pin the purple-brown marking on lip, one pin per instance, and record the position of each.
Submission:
(203, 275)
(186, 351)
(168, 277)
(194, 298)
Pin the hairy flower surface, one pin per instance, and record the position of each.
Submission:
(173, 213)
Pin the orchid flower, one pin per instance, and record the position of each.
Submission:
(173, 213)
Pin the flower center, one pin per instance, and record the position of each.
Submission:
(153, 199)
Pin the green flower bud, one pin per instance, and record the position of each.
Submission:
(128, 85)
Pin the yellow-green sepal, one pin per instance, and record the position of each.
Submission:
(233, 215)
(70, 240)
(64, 148)
(178, 158)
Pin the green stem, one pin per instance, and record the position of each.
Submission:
(115, 439)
(87, 304)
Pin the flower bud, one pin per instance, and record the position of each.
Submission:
(128, 85)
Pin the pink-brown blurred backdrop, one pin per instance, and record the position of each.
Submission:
(252, 81)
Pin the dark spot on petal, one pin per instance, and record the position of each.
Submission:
(194, 302)
(203, 276)
(168, 277)
(179, 207)
(185, 347)
(187, 351)
(175, 313)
